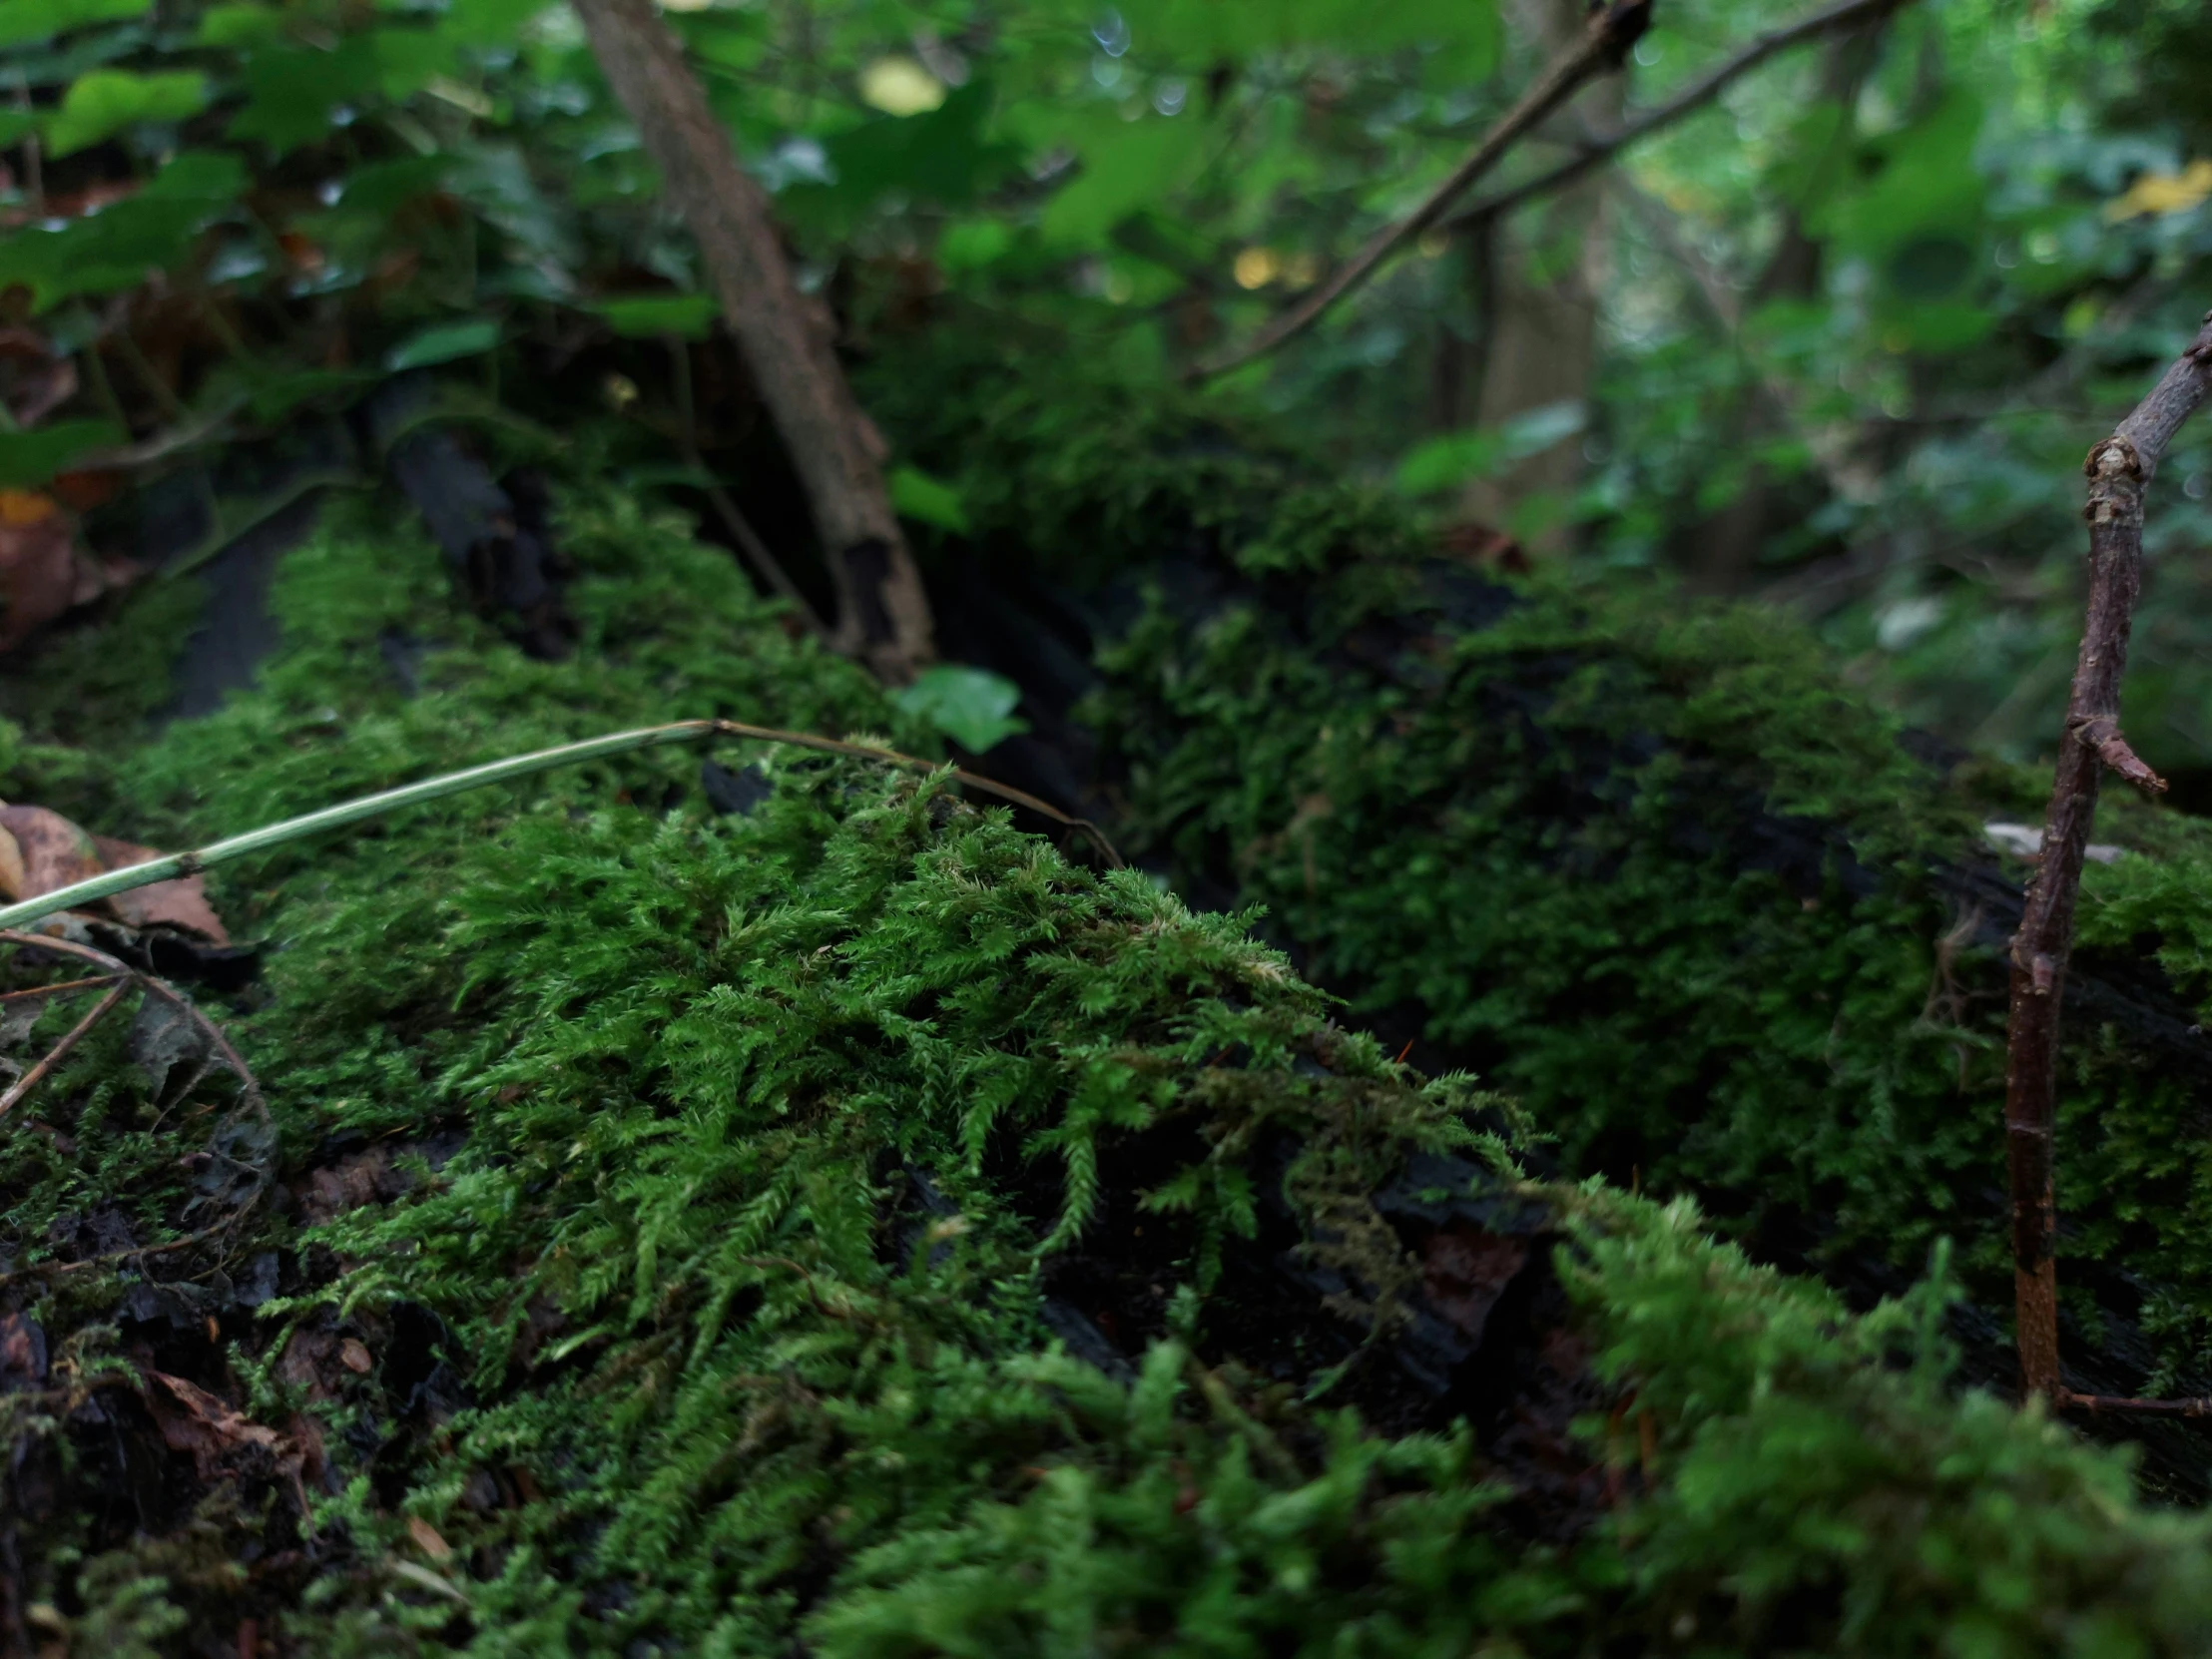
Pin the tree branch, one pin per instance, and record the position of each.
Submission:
(884, 615)
(1601, 148)
(2118, 468)
(1603, 44)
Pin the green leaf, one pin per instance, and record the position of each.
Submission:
(42, 20)
(238, 25)
(441, 342)
(106, 100)
(28, 459)
(1204, 31)
(117, 248)
(927, 500)
(1127, 164)
(971, 706)
(1455, 458)
(942, 156)
(650, 316)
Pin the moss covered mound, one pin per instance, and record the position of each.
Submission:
(1717, 923)
(851, 1228)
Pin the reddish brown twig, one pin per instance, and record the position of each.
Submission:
(57, 990)
(1599, 149)
(60, 1051)
(247, 1087)
(2118, 469)
(2095, 1405)
(1601, 46)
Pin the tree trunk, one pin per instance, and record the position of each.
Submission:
(882, 614)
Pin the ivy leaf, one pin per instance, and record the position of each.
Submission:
(926, 500)
(442, 342)
(1127, 164)
(971, 706)
(117, 248)
(651, 315)
(102, 103)
(28, 459)
(42, 20)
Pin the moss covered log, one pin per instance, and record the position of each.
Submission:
(850, 1225)
(1715, 919)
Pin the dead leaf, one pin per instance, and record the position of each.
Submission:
(353, 1355)
(39, 574)
(195, 1420)
(427, 1540)
(52, 852)
(164, 1037)
(178, 903)
(22, 1352)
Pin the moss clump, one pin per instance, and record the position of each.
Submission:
(1648, 865)
(686, 1215)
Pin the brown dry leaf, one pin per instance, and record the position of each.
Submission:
(40, 850)
(52, 851)
(39, 575)
(428, 1540)
(181, 902)
(192, 1419)
(353, 1355)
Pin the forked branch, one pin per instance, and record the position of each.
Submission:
(1602, 45)
(2119, 468)
(1699, 93)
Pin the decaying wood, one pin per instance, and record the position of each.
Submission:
(884, 616)
(2119, 468)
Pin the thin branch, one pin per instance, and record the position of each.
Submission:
(1600, 149)
(249, 1088)
(57, 990)
(1601, 46)
(173, 864)
(2097, 1404)
(60, 1051)
(2118, 468)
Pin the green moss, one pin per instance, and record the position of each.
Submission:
(1649, 865)
(732, 1159)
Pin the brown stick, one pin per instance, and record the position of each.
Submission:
(2118, 469)
(1603, 43)
(60, 1051)
(1695, 95)
(884, 615)
(2097, 1404)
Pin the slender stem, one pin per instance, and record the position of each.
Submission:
(31, 910)
(1695, 95)
(64, 987)
(2118, 469)
(60, 1051)
(1601, 46)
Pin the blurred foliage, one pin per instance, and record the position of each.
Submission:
(1879, 295)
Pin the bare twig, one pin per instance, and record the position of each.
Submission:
(1601, 148)
(2118, 469)
(60, 1051)
(785, 335)
(57, 990)
(1601, 46)
(171, 865)
(249, 1088)
(2097, 1404)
